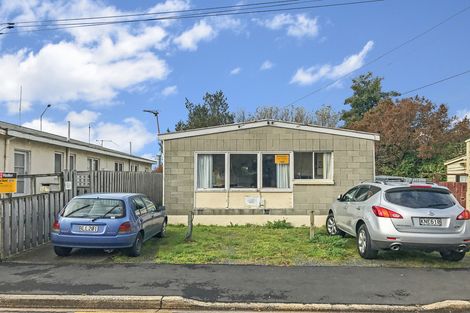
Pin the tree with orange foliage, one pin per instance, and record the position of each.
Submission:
(416, 136)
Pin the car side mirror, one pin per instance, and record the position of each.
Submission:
(340, 197)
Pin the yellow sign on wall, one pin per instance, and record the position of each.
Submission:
(7, 182)
(281, 159)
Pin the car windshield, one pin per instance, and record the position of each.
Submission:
(420, 198)
(92, 208)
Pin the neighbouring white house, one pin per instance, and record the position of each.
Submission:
(27, 151)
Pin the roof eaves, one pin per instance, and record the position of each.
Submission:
(261, 123)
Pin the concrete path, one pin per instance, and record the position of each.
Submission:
(236, 283)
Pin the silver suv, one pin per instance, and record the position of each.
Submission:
(399, 215)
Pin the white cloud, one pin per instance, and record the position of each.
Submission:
(313, 74)
(170, 90)
(201, 31)
(299, 25)
(82, 118)
(106, 60)
(129, 130)
(149, 156)
(267, 65)
(205, 30)
(235, 71)
(461, 114)
(14, 106)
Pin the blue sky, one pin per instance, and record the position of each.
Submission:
(107, 75)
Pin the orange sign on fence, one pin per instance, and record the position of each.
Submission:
(7, 182)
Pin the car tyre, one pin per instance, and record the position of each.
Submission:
(162, 233)
(136, 248)
(453, 256)
(331, 227)
(62, 251)
(364, 244)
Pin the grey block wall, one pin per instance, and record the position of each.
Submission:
(353, 162)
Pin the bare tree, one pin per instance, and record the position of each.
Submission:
(325, 116)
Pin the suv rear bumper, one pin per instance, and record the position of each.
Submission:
(464, 246)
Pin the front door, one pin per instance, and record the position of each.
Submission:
(21, 167)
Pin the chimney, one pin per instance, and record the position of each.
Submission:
(68, 130)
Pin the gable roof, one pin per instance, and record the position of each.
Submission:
(265, 123)
(458, 159)
(48, 138)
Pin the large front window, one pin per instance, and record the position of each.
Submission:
(210, 171)
(276, 171)
(243, 171)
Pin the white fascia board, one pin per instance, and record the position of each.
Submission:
(228, 128)
(50, 141)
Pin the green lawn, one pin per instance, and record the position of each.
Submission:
(270, 245)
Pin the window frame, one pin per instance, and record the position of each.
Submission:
(259, 171)
(61, 154)
(72, 165)
(317, 181)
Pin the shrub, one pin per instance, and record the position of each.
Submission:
(278, 224)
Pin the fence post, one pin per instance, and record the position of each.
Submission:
(2, 209)
(189, 234)
(312, 224)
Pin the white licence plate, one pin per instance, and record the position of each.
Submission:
(430, 222)
(88, 228)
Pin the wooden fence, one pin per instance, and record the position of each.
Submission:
(26, 221)
(458, 189)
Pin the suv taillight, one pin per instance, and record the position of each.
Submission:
(125, 228)
(465, 215)
(383, 212)
(56, 226)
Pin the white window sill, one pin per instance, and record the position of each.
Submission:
(212, 190)
(314, 182)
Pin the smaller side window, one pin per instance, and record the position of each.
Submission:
(150, 206)
(362, 194)
(349, 196)
(139, 206)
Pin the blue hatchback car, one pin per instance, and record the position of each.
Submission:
(108, 221)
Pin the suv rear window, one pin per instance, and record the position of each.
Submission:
(420, 198)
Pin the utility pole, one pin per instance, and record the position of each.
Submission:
(155, 113)
(89, 133)
(130, 147)
(40, 118)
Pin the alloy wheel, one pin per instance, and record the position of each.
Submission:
(362, 241)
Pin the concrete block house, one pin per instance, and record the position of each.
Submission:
(263, 167)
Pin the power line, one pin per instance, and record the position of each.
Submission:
(211, 14)
(436, 82)
(279, 2)
(205, 12)
(406, 42)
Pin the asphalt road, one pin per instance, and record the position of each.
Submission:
(238, 283)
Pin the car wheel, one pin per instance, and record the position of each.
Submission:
(331, 227)
(453, 256)
(136, 248)
(162, 233)
(364, 244)
(62, 251)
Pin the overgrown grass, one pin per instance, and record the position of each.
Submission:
(277, 243)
